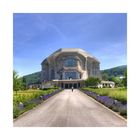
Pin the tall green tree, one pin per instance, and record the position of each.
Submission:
(16, 81)
(125, 79)
(105, 76)
(116, 80)
(92, 81)
(23, 82)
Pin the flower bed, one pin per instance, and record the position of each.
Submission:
(109, 102)
(23, 104)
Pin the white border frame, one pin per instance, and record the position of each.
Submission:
(63, 6)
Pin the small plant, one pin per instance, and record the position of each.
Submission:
(115, 99)
(29, 99)
(115, 93)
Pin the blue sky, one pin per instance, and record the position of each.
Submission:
(36, 36)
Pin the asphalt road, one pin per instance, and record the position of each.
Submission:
(70, 109)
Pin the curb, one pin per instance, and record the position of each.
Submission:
(26, 112)
(105, 107)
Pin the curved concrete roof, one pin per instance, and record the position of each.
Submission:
(70, 50)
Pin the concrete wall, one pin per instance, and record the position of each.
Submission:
(53, 67)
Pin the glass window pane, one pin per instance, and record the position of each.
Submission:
(69, 75)
(70, 62)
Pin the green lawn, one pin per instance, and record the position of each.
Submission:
(116, 93)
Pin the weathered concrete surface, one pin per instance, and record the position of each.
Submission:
(70, 109)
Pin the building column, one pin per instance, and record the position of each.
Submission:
(86, 64)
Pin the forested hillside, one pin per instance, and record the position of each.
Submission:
(34, 78)
(115, 72)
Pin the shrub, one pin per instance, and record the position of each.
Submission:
(93, 82)
(29, 98)
(115, 93)
(115, 99)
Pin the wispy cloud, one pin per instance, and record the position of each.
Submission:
(38, 35)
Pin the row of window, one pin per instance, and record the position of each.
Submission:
(67, 75)
(71, 75)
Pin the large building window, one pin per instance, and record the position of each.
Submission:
(70, 62)
(52, 74)
(70, 75)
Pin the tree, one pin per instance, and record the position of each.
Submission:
(23, 82)
(92, 81)
(105, 76)
(116, 80)
(16, 81)
(124, 81)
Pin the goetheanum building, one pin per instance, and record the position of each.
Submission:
(69, 67)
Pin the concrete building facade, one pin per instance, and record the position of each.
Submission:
(69, 67)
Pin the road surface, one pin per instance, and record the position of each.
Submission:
(70, 109)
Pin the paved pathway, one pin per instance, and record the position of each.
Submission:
(70, 109)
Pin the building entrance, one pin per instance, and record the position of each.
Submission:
(70, 85)
(75, 85)
(66, 86)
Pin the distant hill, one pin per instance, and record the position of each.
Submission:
(116, 71)
(34, 78)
